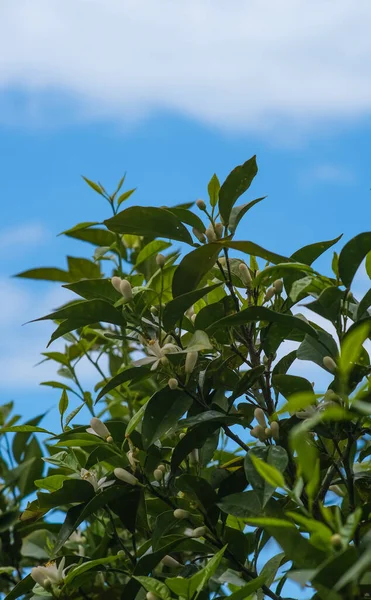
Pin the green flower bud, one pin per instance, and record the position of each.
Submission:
(245, 274)
(179, 513)
(151, 596)
(336, 541)
(182, 435)
(199, 235)
(278, 286)
(219, 230)
(162, 468)
(126, 289)
(109, 439)
(158, 474)
(201, 204)
(160, 260)
(329, 364)
(173, 383)
(275, 429)
(269, 294)
(260, 417)
(210, 234)
(116, 281)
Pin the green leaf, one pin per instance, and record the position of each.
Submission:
(247, 380)
(51, 483)
(63, 405)
(130, 374)
(260, 313)
(195, 438)
(242, 505)
(96, 236)
(298, 401)
(151, 249)
(163, 411)
(87, 566)
(125, 196)
(209, 415)
(149, 221)
(92, 289)
(156, 587)
(213, 189)
(365, 303)
(265, 480)
(288, 385)
(176, 308)
(285, 363)
(308, 254)
(236, 184)
(188, 217)
(25, 429)
(328, 303)
(94, 186)
(352, 255)
(269, 571)
(73, 414)
(269, 473)
(248, 589)
(46, 274)
(238, 212)
(255, 250)
(351, 347)
(82, 268)
(198, 489)
(199, 341)
(87, 311)
(200, 579)
(193, 268)
(269, 274)
(135, 420)
(21, 588)
(315, 350)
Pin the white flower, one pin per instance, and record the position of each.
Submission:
(97, 427)
(190, 361)
(98, 484)
(307, 413)
(50, 574)
(132, 460)
(157, 354)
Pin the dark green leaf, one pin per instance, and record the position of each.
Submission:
(247, 380)
(197, 489)
(131, 374)
(82, 268)
(21, 588)
(149, 221)
(285, 363)
(213, 189)
(195, 438)
(255, 250)
(364, 304)
(46, 274)
(92, 289)
(287, 385)
(188, 217)
(316, 350)
(176, 308)
(308, 254)
(238, 212)
(248, 589)
(237, 182)
(241, 505)
(328, 303)
(162, 413)
(352, 255)
(274, 456)
(193, 267)
(151, 249)
(96, 236)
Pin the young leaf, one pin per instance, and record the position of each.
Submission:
(213, 189)
(236, 184)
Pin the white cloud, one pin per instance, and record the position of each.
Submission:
(329, 173)
(22, 235)
(286, 65)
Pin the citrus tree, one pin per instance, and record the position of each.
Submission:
(202, 448)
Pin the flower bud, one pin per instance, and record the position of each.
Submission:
(275, 429)
(121, 554)
(116, 281)
(329, 364)
(152, 596)
(258, 432)
(201, 204)
(182, 435)
(336, 541)
(158, 474)
(219, 230)
(190, 362)
(179, 513)
(172, 383)
(278, 286)
(268, 432)
(154, 310)
(160, 260)
(109, 439)
(199, 235)
(245, 273)
(269, 294)
(260, 417)
(199, 532)
(193, 318)
(126, 289)
(99, 428)
(125, 476)
(99, 579)
(210, 234)
(336, 490)
(169, 561)
(162, 468)
(164, 361)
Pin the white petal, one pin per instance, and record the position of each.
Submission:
(144, 361)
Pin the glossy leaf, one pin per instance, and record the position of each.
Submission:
(151, 249)
(131, 374)
(255, 250)
(46, 274)
(92, 289)
(238, 212)
(188, 217)
(193, 268)
(213, 189)
(156, 587)
(273, 456)
(175, 309)
(308, 254)
(149, 221)
(162, 413)
(241, 505)
(236, 184)
(352, 255)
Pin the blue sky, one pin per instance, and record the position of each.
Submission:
(170, 94)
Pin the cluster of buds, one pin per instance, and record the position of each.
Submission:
(195, 533)
(98, 428)
(159, 473)
(275, 290)
(123, 286)
(262, 431)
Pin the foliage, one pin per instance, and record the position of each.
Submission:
(202, 445)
